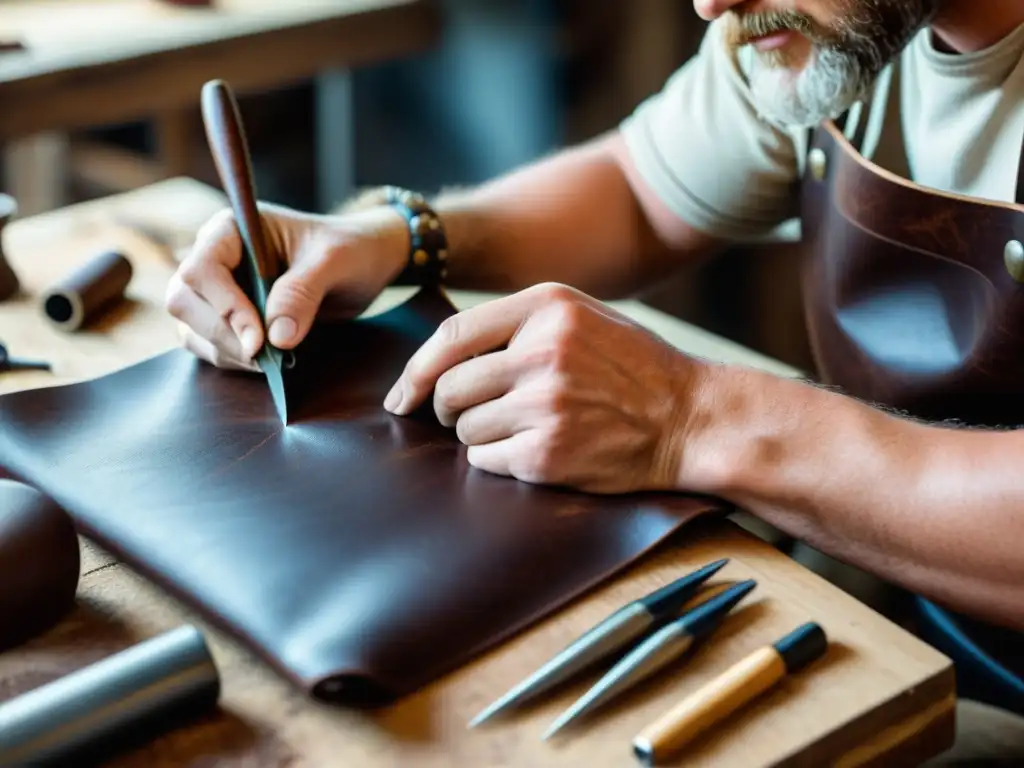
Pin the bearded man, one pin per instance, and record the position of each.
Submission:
(893, 131)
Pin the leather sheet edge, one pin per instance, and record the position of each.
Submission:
(355, 689)
(601, 577)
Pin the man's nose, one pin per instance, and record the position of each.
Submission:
(709, 10)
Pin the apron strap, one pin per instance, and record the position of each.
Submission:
(1020, 177)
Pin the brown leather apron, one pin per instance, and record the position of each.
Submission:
(914, 301)
(914, 298)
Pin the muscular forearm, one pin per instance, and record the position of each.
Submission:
(579, 217)
(939, 511)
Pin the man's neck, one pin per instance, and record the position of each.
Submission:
(963, 26)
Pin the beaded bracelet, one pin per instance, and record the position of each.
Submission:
(428, 242)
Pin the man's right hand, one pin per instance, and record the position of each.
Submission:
(336, 264)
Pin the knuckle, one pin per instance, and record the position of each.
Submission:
(536, 462)
(555, 293)
(218, 232)
(555, 353)
(560, 352)
(220, 223)
(449, 331)
(463, 430)
(444, 399)
(567, 316)
(176, 298)
(297, 292)
(192, 273)
(553, 399)
(416, 369)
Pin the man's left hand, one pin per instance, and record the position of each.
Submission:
(551, 386)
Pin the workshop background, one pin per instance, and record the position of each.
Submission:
(509, 81)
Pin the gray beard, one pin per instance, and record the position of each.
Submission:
(827, 87)
(838, 74)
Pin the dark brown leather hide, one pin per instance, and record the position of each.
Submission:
(39, 563)
(357, 552)
(908, 298)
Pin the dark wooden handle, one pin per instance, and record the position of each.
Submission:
(226, 137)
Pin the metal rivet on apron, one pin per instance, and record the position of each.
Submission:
(1013, 255)
(818, 161)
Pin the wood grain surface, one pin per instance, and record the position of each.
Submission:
(879, 697)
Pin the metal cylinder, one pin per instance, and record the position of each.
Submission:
(111, 705)
(9, 283)
(88, 291)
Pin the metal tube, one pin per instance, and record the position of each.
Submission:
(89, 291)
(105, 707)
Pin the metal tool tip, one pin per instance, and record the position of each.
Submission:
(554, 728)
(706, 616)
(670, 598)
(711, 569)
(483, 716)
(577, 710)
(501, 704)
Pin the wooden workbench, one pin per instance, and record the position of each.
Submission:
(879, 697)
(95, 62)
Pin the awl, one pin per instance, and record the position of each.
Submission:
(611, 635)
(661, 648)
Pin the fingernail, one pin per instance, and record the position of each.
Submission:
(250, 341)
(394, 398)
(282, 330)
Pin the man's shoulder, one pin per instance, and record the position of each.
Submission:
(704, 146)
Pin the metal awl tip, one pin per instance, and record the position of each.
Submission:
(657, 651)
(622, 628)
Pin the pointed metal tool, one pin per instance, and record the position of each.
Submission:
(661, 648)
(230, 149)
(611, 635)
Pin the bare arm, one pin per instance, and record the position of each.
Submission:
(580, 217)
(937, 510)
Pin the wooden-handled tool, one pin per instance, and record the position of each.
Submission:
(226, 137)
(738, 685)
(230, 148)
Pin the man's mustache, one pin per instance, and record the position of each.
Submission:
(748, 27)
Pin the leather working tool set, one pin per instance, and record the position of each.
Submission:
(648, 635)
(355, 552)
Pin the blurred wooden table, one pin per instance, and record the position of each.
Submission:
(95, 62)
(879, 697)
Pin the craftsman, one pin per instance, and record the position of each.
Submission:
(549, 386)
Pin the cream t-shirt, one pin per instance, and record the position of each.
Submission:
(945, 121)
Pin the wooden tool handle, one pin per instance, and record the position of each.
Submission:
(226, 137)
(738, 685)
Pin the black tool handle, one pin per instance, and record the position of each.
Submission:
(229, 146)
(106, 707)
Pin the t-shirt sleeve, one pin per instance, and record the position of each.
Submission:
(704, 149)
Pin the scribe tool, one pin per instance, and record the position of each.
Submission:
(228, 144)
(661, 648)
(611, 635)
